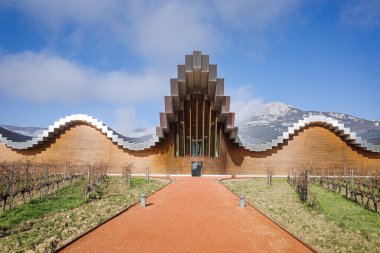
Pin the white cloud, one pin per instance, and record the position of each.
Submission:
(363, 14)
(254, 14)
(243, 103)
(39, 77)
(160, 31)
(127, 121)
(44, 77)
(244, 109)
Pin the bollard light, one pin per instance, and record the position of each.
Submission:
(143, 200)
(242, 201)
(216, 181)
(173, 181)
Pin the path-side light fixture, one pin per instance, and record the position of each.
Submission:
(242, 201)
(143, 200)
(173, 181)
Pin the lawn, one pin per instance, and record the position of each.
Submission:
(52, 221)
(339, 225)
(66, 198)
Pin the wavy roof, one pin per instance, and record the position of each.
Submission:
(17, 141)
(273, 140)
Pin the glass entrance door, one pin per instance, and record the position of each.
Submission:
(196, 169)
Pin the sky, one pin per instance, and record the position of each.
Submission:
(113, 59)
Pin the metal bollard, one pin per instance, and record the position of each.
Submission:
(173, 182)
(216, 181)
(242, 201)
(143, 200)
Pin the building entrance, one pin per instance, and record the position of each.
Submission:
(196, 169)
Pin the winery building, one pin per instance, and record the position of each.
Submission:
(197, 136)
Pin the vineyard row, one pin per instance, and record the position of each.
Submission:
(362, 186)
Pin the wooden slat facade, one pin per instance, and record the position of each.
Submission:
(314, 146)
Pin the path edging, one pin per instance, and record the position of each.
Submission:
(109, 219)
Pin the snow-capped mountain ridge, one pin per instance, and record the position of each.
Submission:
(268, 113)
(27, 131)
(268, 121)
(276, 112)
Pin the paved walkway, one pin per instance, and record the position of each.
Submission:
(193, 215)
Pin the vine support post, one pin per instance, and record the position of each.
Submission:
(88, 187)
(269, 177)
(89, 174)
(46, 179)
(64, 174)
(352, 179)
(11, 179)
(25, 185)
(129, 178)
(147, 174)
(305, 190)
(307, 185)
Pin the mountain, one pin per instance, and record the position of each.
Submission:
(27, 131)
(269, 121)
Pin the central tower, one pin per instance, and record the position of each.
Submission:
(197, 113)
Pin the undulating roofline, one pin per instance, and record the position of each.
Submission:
(61, 125)
(327, 122)
(197, 75)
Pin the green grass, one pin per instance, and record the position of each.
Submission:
(65, 198)
(346, 213)
(136, 182)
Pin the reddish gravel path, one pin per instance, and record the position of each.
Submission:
(193, 215)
